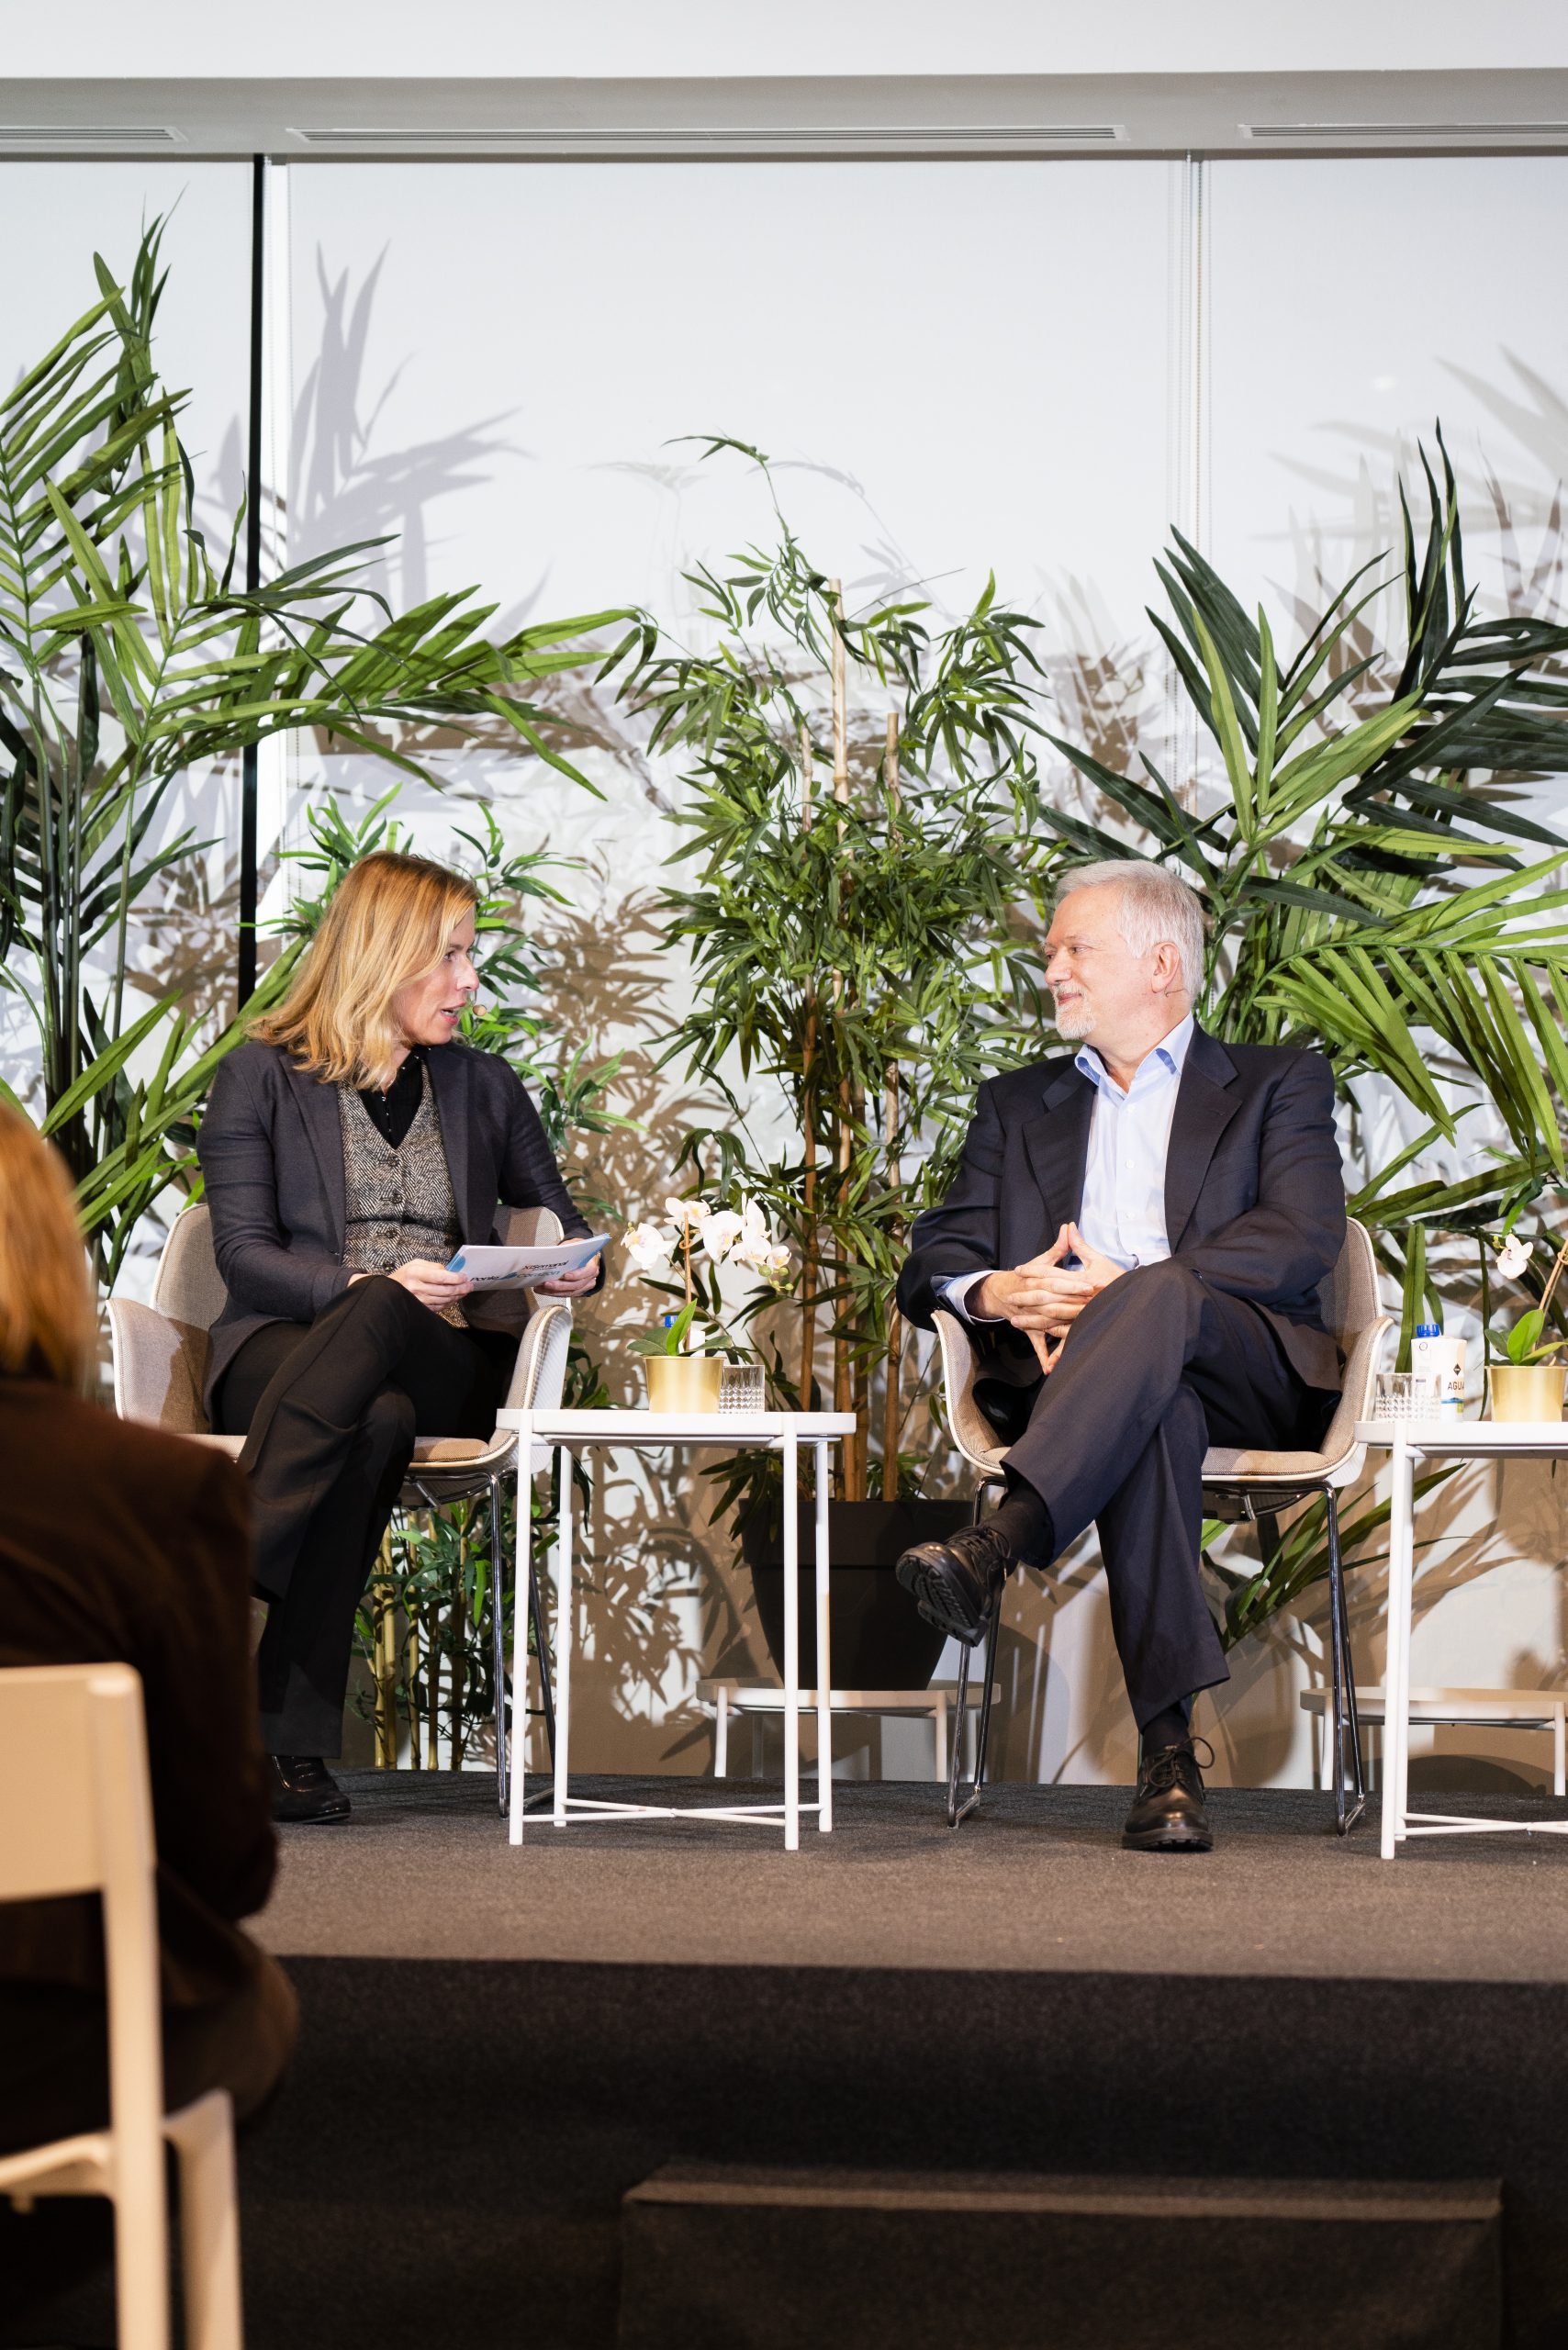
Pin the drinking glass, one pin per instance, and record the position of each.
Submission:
(743, 1387)
(1404, 1396)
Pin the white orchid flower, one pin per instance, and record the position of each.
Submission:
(1513, 1257)
(648, 1246)
(688, 1212)
(776, 1264)
(756, 1244)
(718, 1232)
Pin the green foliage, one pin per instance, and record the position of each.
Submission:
(126, 656)
(672, 1334)
(1295, 1556)
(1523, 1344)
(850, 923)
(1369, 880)
(1344, 862)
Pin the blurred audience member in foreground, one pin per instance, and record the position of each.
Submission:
(120, 1543)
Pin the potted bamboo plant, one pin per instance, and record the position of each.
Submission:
(860, 804)
(1372, 889)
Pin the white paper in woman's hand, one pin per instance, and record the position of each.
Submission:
(491, 1267)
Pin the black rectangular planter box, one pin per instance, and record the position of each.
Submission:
(879, 1639)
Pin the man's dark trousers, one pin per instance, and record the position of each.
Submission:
(1158, 1367)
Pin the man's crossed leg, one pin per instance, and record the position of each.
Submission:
(1158, 1367)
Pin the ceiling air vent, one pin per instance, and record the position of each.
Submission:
(87, 134)
(699, 135)
(1313, 131)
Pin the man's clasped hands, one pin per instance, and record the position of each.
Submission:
(1045, 1297)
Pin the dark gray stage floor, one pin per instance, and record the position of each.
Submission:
(1036, 1879)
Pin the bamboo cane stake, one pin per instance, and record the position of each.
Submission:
(459, 1650)
(412, 1653)
(1551, 1281)
(432, 1692)
(892, 1401)
(840, 698)
(385, 1662)
(851, 1480)
(809, 1206)
(808, 1136)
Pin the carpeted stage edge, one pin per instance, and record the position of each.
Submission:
(446, 2164)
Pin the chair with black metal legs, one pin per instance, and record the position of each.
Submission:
(976, 1439)
(1256, 1486)
(456, 1471)
(1238, 1484)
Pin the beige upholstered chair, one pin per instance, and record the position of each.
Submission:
(1236, 1484)
(159, 1370)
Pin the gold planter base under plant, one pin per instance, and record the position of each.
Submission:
(683, 1383)
(1525, 1391)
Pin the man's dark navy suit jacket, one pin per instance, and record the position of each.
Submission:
(1254, 1191)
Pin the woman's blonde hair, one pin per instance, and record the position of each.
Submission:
(390, 921)
(49, 1321)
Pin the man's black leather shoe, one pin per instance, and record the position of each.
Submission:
(1168, 1813)
(304, 1790)
(955, 1582)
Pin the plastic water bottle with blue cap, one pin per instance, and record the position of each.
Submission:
(1439, 1361)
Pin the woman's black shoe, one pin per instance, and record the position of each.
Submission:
(305, 1790)
(954, 1583)
(1168, 1813)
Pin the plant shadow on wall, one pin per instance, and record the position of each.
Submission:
(127, 655)
(345, 487)
(1505, 503)
(638, 1597)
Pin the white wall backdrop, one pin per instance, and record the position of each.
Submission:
(59, 215)
(1030, 367)
(955, 371)
(1354, 302)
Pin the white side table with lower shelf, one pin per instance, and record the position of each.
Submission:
(572, 1432)
(758, 1697)
(1499, 1708)
(1409, 1443)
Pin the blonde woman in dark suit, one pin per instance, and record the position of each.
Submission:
(348, 1149)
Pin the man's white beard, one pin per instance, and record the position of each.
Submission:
(1075, 1024)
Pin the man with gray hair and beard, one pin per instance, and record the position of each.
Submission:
(1134, 1238)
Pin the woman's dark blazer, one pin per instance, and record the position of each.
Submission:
(272, 1157)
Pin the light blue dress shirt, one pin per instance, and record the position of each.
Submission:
(1123, 1214)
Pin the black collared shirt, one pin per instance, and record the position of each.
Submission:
(393, 1112)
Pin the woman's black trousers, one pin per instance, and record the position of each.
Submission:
(329, 1411)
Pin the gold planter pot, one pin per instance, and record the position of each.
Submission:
(683, 1383)
(1525, 1391)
